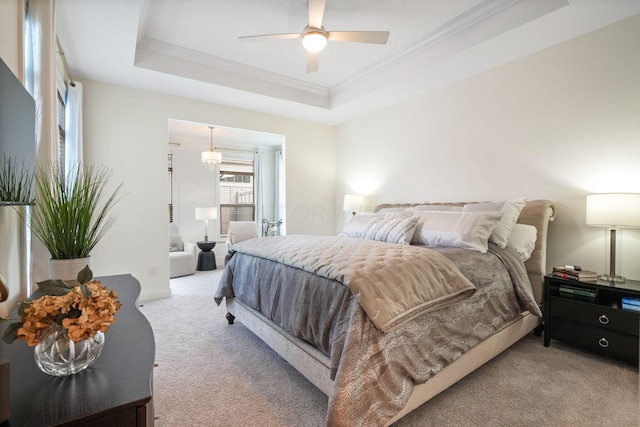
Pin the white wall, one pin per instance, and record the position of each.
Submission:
(126, 130)
(11, 35)
(558, 125)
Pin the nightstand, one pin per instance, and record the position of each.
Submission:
(206, 258)
(599, 324)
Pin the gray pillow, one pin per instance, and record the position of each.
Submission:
(175, 243)
(392, 230)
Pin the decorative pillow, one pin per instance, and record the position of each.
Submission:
(175, 243)
(523, 240)
(511, 212)
(356, 226)
(393, 229)
(470, 230)
(437, 208)
(358, 223)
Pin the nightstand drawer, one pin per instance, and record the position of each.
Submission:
(598, 339)
(595, 315)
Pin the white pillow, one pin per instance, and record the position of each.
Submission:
(511, 212)
(358, 223)
(523, 240)
(470, 230)
(438, 208)
(394, 229)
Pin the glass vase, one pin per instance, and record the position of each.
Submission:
(56, 354)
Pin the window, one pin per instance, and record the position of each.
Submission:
(61, 133)
(236, 193)
(170, 181)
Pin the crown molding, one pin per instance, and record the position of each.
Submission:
(472, 27)
(217, 70)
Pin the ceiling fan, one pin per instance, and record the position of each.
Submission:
(314, 36)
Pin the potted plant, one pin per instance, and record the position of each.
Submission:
(71, 214)
(16, 182)
(66, 324)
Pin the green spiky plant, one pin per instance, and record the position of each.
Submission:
(72, 213)
(16, 181)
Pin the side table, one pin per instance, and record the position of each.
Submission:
(599, 324)
(206, 258)
(116, 390)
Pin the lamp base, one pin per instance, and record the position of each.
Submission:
(610, 278)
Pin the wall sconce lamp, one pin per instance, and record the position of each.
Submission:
(614, 211)
(353, 203)
(206, 214)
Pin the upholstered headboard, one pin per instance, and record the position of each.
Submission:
(537, 213)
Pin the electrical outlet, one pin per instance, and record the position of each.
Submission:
(153, 270)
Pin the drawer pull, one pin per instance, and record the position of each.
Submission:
(603, 319)
(603, 342)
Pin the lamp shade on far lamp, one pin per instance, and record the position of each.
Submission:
(614, 211)
(206, 213)
(353, 203)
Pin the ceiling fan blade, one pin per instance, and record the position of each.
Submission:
(377, 37)
(316, 12)
(266, 37)
(313, 61)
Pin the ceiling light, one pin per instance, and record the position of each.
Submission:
(211, 158)
(314, 41)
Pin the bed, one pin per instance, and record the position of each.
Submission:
(309, 300)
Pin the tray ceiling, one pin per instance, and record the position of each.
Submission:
(190, 48)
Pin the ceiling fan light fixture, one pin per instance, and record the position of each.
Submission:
(314, 41)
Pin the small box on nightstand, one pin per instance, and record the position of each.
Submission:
(629, 303)
(4, 391)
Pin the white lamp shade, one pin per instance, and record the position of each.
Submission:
(207, 213)
(353, 203)
(614, 210)
(211, 157)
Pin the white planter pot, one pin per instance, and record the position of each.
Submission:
(67, 269)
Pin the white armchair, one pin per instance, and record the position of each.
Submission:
(182, 255)
(239, 231)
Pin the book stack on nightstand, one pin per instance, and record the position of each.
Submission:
(601, 316)
(575, 273)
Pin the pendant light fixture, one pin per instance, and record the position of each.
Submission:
(211, 158)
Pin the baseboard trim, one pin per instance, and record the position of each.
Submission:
(155, 295)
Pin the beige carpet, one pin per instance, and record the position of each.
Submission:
(213, 374)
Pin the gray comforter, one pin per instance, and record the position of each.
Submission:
(393, 283)
(374, 372)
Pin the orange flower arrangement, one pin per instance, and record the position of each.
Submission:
(82, 309)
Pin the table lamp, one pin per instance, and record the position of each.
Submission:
(206, 213)
(613, 211)
(353, 203)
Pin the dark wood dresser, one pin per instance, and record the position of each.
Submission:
(116, 390)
